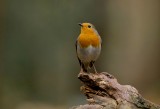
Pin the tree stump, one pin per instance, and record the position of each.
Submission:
(104, 92)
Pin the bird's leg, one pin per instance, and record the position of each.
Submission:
(81, 69)
(95, 69)
(88, 70)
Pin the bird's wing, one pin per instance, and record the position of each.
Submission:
(77, 54)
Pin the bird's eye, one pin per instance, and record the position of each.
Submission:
(89, 26)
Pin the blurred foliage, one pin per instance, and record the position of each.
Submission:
(38, 61)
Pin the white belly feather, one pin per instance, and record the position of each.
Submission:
(88, 54)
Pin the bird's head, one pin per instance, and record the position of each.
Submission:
(87, 28)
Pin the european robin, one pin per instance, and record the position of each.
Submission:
(88, 46)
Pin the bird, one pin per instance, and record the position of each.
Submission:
(88, 46)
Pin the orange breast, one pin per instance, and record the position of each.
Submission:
(86, 40)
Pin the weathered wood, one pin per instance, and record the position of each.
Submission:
(104, 92)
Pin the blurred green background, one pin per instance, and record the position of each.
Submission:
(38, 63)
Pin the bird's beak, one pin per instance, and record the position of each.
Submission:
(80, 24)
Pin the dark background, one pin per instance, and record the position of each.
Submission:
(38, 63)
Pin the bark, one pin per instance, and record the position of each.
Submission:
(104, 92)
